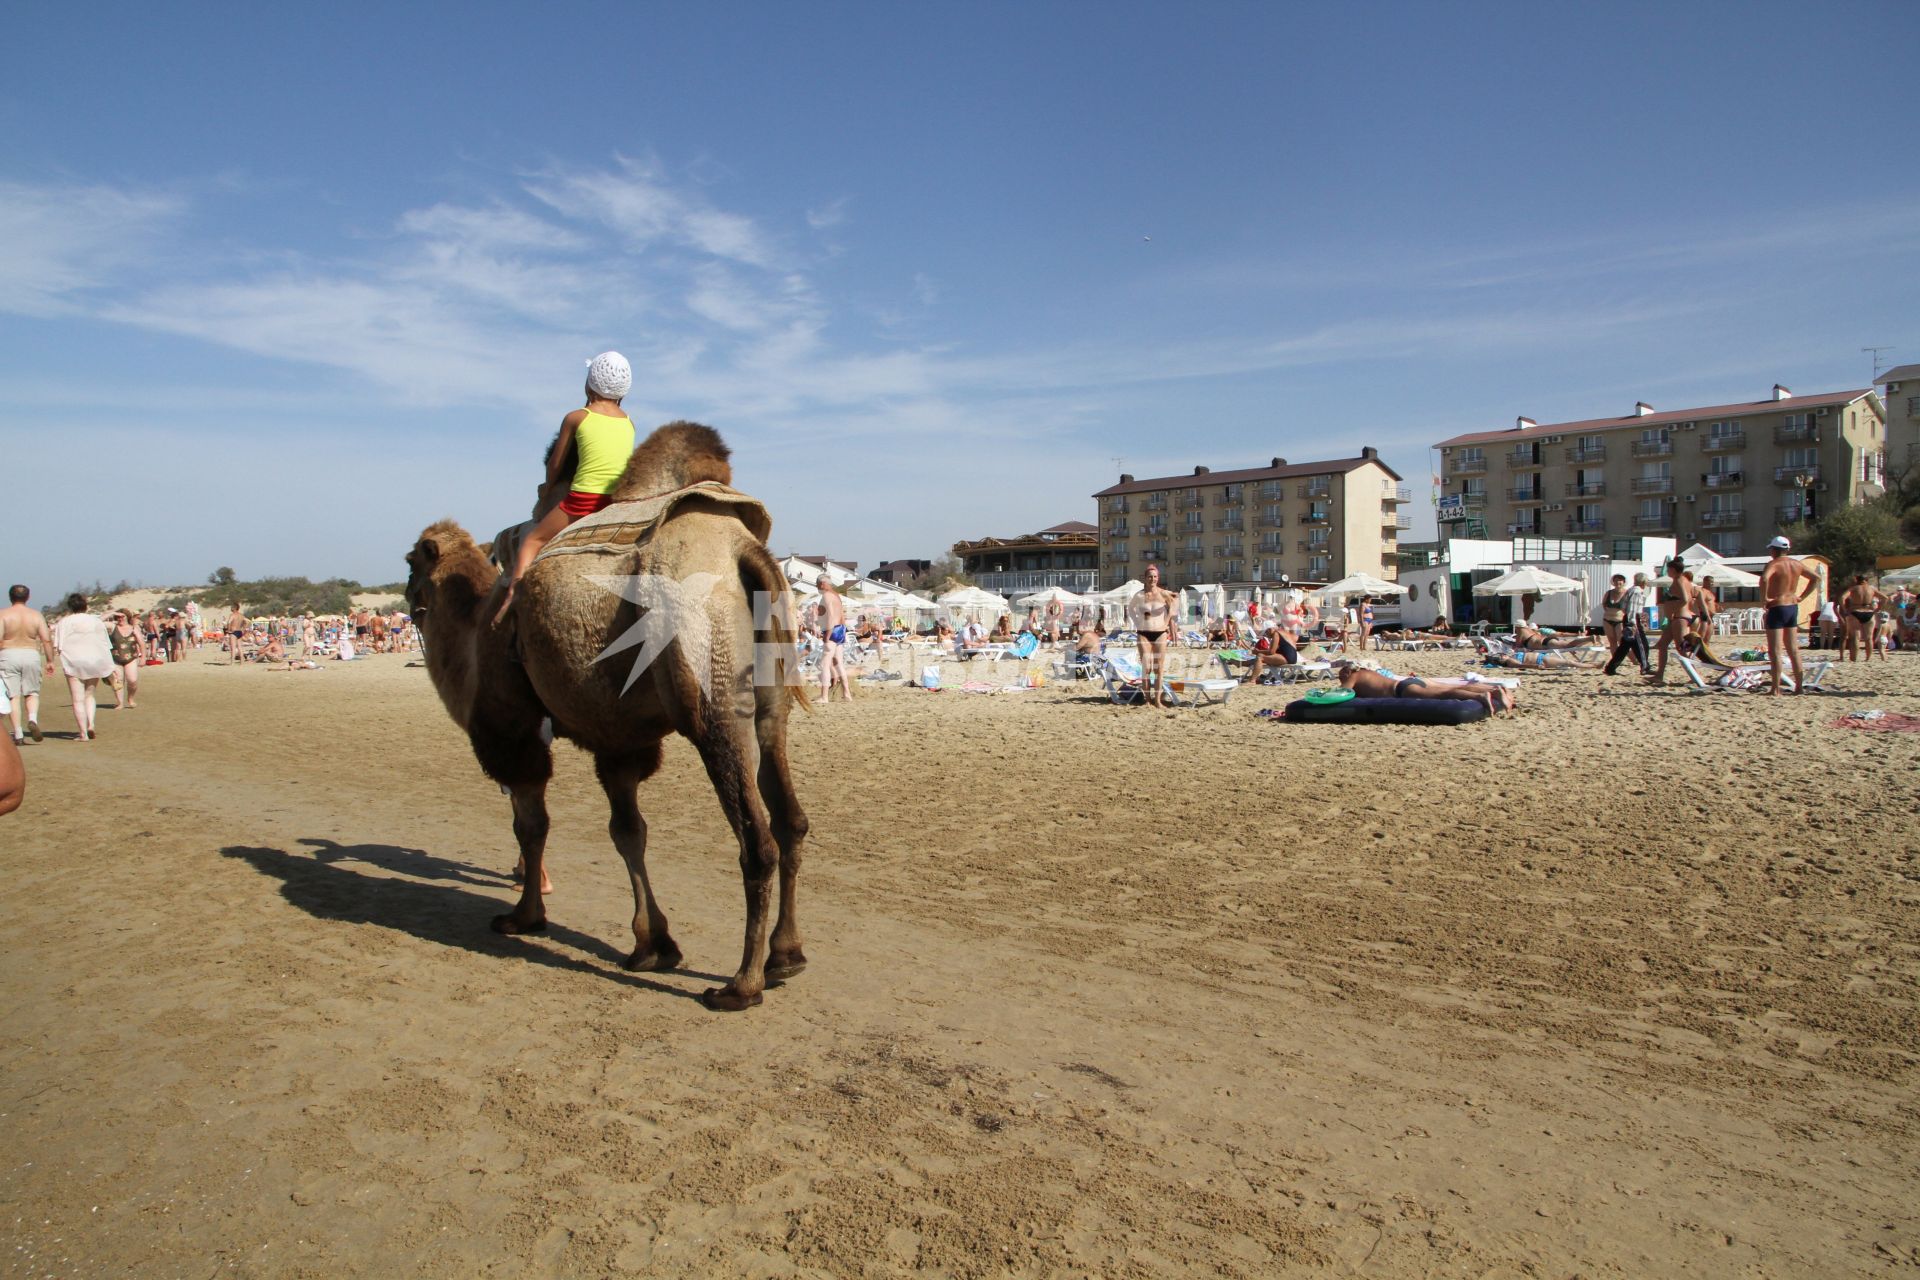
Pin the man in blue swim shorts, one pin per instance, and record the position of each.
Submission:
(833, 628)
(1778, 583)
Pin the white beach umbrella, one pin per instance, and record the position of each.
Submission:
(1361, 584)
(1907, 577)
(973, 602)
(1722, 573)
(1051, 595)
(918, 604)
(1114, 603)
(1525, 580)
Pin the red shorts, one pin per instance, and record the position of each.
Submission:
(584, 504)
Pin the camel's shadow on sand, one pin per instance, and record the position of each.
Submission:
(322, 882)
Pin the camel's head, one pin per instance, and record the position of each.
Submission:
(445, 567)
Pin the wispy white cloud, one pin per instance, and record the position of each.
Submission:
(828, 215)
(633, 201)
(58, 242)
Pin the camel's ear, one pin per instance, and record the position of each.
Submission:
(429, 550)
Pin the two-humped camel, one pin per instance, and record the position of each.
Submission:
(702, 685)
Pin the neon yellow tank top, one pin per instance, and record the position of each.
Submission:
(605, 445)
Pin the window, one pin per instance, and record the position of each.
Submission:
(1656, 471)
(1317, 568)
(1798, 422)
(1230, 493)
(1873, 468)
(1472, 453)
(1723, 430)
(1655, 435)
(1318, 539)
(1726, 504)
(1652, 508)
(1726, 544)
(1476, 488)
(1804, 458)
(1726, 464)
(1588, 513)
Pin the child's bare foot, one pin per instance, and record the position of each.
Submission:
(520, 875)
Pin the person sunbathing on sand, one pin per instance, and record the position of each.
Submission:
(602, 434)
(1540, 660)
(1378, 684)
(1528, 636)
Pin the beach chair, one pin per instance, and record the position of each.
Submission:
(1077, 666)
(1125, 685)
(1749, 677)
(1204, 692)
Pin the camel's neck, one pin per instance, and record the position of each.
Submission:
(450, 631)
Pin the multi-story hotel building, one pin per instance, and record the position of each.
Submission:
(1728, 475)
(1311, 522)
(1902, 401)
(1063, 556)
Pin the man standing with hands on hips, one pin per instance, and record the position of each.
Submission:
(1777, 582)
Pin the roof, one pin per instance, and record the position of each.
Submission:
(1901, 373)
(1769, 405)
(1072, 526)
(1333, 466)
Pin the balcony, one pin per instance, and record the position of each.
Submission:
(1154, 529)
(1588, 489)
(1225, 549)
(1797, 475)
(1188, 555)
(1391, 492)
(1149, 556)
(1803, 433)
(1791, 515)
(1118, 507)
(1723, 442)
(1273, 546)
(1228, 498)
(1466, 466)
(1315, 489)
(1726, 479)
(1723, 519)
(1587, 526)
(1158, 502)
(1116, 531)
(1527, 457)
(1316, 517)
(1647, 485)
(1189, 501)
(1473, 499)
(1314, 548)
(1525, 495)
(1533, 530)
(1079, 581)
(1587, 453)
(1270, 522)
(1652, 449)
(1393, 520)
(1272, 492)
(1230, 522)
(1653, 524)
(1116, 557)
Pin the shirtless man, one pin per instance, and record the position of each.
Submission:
(26, 654)
(1777, 582)
(235, 633)
(1859, 610)
(1709, 602)
(1153, 619)
(1372, 684)
(833, 626)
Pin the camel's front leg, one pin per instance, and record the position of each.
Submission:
(529, 915)
(653, 946)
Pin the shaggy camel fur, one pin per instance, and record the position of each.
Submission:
(565, 623)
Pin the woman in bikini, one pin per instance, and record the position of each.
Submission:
(1678, 604)
(1858, 610)
(1153, 617)
(1613, 610)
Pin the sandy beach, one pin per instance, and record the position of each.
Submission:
(1626, 984)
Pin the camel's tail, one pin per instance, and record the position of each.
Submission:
(768, 588)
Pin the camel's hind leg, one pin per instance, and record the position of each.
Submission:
(620, 777)
(785, 958)
(731, 756)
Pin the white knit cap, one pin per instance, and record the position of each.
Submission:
(609, 375)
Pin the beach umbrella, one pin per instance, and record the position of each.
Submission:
(1114, 603)
(1907, 577)
(1361, 584)
(1051, 595)
(1722, 573)
(1527, 580)
(910, 601)
(974, 603)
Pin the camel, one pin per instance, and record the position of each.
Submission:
(565, 624)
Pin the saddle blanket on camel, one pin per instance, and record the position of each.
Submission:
(627, 524)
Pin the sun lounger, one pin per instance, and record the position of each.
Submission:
(1749, 677)
(1125, 687)
(1277, 675)
(1200, 693)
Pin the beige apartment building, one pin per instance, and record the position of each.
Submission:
(1901, 396)
(1310, 522)
(1728, 475)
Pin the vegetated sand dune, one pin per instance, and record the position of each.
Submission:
(1625, 984)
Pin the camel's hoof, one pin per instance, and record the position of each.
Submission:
(726, 1000)
(507, 924)
(782, 967)
(652, 961)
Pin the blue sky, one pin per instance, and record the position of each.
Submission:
(277, 289)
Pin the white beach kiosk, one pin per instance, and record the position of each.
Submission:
(1445, 588)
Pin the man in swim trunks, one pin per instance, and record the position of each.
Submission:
(26, 654)
(1376, 684)
(1859, 608)
(1777, 582)
(601, 436)
(1153, 620)
(833, 627)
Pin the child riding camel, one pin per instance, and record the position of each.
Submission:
(602, 435)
